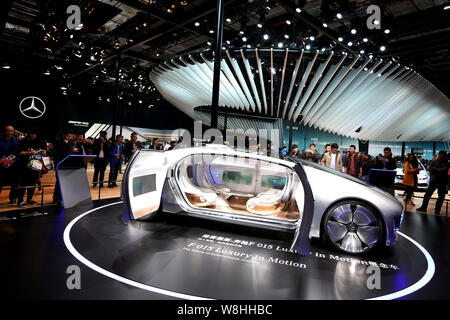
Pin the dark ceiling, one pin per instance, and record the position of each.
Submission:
(34, 36)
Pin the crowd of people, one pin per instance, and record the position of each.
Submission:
(25, 158)
(359, 164)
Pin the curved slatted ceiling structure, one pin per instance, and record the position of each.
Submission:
(356, 97)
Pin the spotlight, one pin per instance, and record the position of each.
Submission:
(47, 72)
(228, 42)
(387, 31)
(280, 44)
(447, 8)
(197, 24)
(323, 49)
(339, 16)
(6, 66)
(312, 38)
(266, 36)
(298, 10)
(140, 101)
(129, 103)
(259, 25)
(244, 39)
(365, 39)
(228, 20)
(211, 31)
(288, 22)
(382, 48)
(308, 47)
(241, 32)
(108, 99)
(349, 43)
(362, 51)
(63, 88)
(325, 25)
(353, 31)
(92, 58)
(58, 67)
(340, 39)
(286, 36)
(71, 36)
(209, 43)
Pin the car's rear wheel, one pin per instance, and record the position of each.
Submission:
(353, 227)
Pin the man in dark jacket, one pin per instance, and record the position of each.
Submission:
(387, 162)
(439, 175)
(311, 155)
(131, 146)
(101, 151)
(62, 148)
(8, 152)
(115, 160)
(295, 153)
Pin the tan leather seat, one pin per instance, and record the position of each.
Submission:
(266, 202)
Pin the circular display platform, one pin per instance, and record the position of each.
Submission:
(194, 258)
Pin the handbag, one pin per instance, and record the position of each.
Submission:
(46, 161)
(35, 165)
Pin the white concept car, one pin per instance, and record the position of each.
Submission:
(219, 183)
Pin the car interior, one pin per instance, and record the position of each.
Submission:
(239, 185)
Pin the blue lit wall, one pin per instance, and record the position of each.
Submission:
(304, 135)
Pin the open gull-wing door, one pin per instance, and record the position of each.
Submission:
(143, 183)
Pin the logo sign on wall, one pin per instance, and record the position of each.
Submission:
(32, 107)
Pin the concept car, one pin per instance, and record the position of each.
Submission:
(220, 183)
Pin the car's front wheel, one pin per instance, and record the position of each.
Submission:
(352, 227)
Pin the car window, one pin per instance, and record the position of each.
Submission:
(237, 177)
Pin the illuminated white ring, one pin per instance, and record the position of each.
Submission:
(395, 295)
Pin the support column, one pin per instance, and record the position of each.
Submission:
(117, 104)
(217, 61)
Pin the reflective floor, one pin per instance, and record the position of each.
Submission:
(181, 257)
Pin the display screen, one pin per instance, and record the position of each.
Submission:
(237, 177)
(144, 184)
(273, 182)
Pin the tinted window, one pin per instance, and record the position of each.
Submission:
(144, 184)
(273, 182)
(237, 177)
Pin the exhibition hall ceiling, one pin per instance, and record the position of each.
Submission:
(35, 36)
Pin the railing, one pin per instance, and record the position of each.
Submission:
(412, 196)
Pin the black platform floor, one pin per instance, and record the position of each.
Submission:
(166, 254)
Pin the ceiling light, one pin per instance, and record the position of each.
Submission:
(108, 99)
(228, 20)
(209, 43)
(341, 39)
(259, 25)
(339, 16)
(129, 103)
(265, 36)
(249, 46)
(325, 25)
(376, 22)
(349, 43)
(447, 8)
(211, 31)
(286, 36)
(197, 24)
(228, 42)
(47, 72)
(308, 47)
(382, 48)
(6, 66)
(288, 21)
(241, 32)
(298, 10)
(365, 39)
(323, 49)
(92, 58)
(387, 31)
(362, 51)
(353, 31)
(312, 38)
(58, 67)
(244, 39)
(280, 44)
(71, 36)
(140, 101)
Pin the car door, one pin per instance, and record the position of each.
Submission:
(143, 183)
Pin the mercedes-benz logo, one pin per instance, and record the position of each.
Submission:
(32, 107)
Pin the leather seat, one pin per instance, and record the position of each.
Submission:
(198, 196)
(266, 202)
